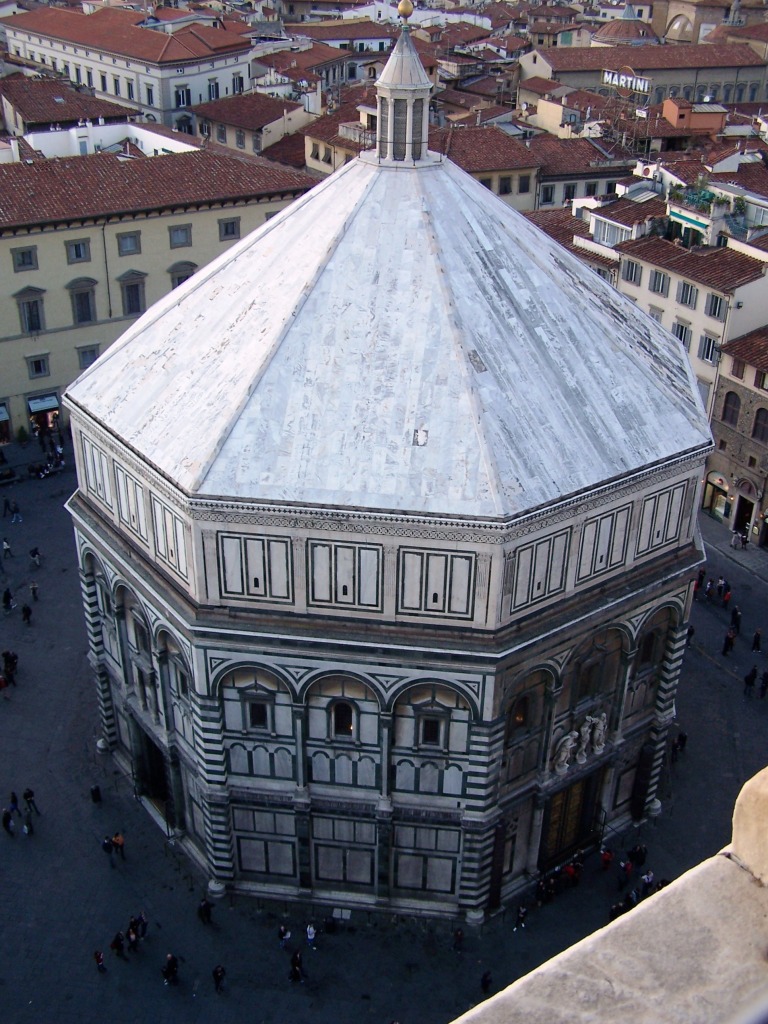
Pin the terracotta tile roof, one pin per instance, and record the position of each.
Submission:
(484, 148)
(751, 177)
(250, 110)
(115, 30)
(630, 212)
(485, 115)
(758, 32)
(343, 30)
(458, 98)
(70, 188)
(46, 100)
(752, 348)
(293, 63)
(650, 58)
(541, 86)
(553, 11)
(288, 151)
(457, 33)
(576, 156)
(722, 270)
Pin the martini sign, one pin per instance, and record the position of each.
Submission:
(626, 82)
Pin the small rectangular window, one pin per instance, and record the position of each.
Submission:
(315, 154)
(205, 129)
(240, 138)
(129, 243)
(547, 195)
(687, 294)
(150, 96)
(716, 306)
(78, 251)
(221, 133)
(524, 184)
(37, 366)
(682, 332)
(213, 90)
(569, 192)
(129, 87)
(631, 272)
(24, 259)
(229, 229)
(709, 351)
(505, 186)
(87, 356)
(590, 189)
(31, 314)
(258, 717)
(180, 235)
(116, 85)
(738, 366)
(659, 283)
(430, 731)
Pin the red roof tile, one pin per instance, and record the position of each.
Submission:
(577, 156)
(47, 100)
(250, 110)
(630, 212)
(484, 148)
(116, 30)
(723, 270)
(650, 58)
(751, 348)
(71, 188)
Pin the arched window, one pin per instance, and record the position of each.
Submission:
(343, 720)
(731, 408)
(760, 429)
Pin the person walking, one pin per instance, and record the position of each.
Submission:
(29, 800)
(297, 968)
(28, 828)
(720, 587)
(218, 973)
(485, 982)
(170, 970)
(522, 912)
(117, 945)
(311, 933)
(727, 596)
(689, 636)
(283, 935)
(8, 602)
(34, 555)
(7, 553)
(756, 639)
(749, 681)
(709, 589)
(108, 848)
(132, 939)
(8, 825)
(26, 615)
(728, 642)
(15, 513)
(204, 910)
(736, 620)
(118, 842)
(98, 956)
(764, 685)
(13, 804)
(33, 589)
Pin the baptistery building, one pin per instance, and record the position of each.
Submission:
(386, 531)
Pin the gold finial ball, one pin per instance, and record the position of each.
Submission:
(405, 9)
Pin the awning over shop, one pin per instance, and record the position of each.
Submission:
(43, 403)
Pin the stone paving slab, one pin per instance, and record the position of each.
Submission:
(60, 900)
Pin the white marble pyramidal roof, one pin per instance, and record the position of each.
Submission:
(397, 339)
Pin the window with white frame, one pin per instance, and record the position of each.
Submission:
(221, 133)
(213, 89)
(682, 332)
(659, 283)
(655, 313)
(87, 355)
(687, 294)
(716, 306)
(547, 195)
(38, 366)
(608, 233)
(631, 272)
(709, 350)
